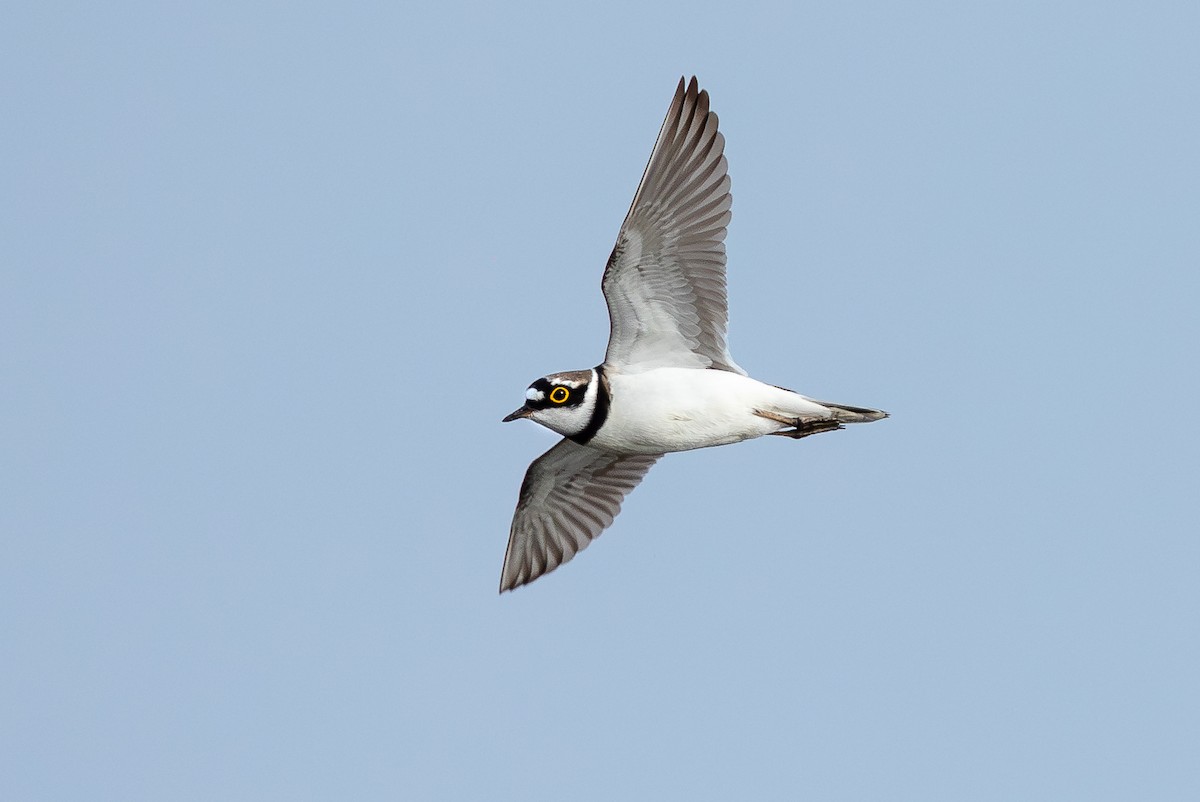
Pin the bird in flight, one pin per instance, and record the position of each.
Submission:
(667, 382)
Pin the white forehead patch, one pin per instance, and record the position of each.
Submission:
(534, 395)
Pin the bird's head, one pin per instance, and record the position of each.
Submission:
(563, 402)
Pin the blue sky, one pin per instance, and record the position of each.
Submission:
(271, 275)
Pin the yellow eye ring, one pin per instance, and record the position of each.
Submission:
(559, 395)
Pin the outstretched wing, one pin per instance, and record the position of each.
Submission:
(570, 495)
(665, 279)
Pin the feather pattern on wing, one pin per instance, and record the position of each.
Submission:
(665, 279)
(570, 495)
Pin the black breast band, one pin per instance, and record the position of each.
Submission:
(599, 414)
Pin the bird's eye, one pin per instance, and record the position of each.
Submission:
(559, 394)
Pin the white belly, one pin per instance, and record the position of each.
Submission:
(678, 409)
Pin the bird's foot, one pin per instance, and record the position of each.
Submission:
(801, 427)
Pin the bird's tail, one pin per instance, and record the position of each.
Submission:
(847, 414)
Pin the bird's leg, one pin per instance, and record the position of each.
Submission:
(801, 427)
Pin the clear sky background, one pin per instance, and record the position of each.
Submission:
(271, 274)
